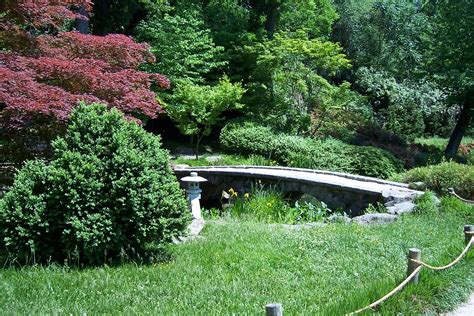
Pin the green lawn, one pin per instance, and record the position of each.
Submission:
(239, 266)
(440, 142)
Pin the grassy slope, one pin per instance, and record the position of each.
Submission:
(440, 142)
(240, 266)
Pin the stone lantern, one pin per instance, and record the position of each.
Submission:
(194, 193)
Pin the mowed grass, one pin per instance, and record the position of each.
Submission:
(239, 266)
(440, 142)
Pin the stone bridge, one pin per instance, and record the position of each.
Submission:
(338, 190)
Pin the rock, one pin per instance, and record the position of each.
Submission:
(400, 208)
(375, 218)
(196, 226)
(390, 203)
(193, 231)
(399, 196)
(338, 219)
(436, 200)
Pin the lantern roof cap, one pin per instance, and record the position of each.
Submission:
(193, 177)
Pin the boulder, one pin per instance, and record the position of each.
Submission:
(375, 218)
(401, 208)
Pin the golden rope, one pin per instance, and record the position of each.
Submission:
(448, 265)
(413, 274)
(451, 191)
(395, 290)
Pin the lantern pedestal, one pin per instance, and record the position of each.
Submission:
(193, 193)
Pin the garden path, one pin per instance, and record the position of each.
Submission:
(466, 309)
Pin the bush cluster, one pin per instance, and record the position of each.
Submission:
(297, 151)
(108, 194)
(440, 177)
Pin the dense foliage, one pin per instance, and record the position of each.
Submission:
(52, 71)
(288, 82)
(182, 45)
(108, 194)
(314, 68)
(297, 151)
(441, 177)
(270, 206)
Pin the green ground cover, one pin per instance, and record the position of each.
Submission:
(239, 266)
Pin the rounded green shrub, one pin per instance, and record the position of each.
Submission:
(375, 162)
(297, 151)
(246, 138)
(442, 176)
(108, 194)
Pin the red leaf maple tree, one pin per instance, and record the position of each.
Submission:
(45, 72)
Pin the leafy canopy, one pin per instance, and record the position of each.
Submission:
(291, 78)
(196, 109)
(45, 72)
(183, 46)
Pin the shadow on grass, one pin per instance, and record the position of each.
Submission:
(152, 254)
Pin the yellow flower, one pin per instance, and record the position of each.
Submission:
(232, 192)
(269, 204)
(246, 195)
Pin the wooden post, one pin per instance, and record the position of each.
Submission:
(413, 253)
(468, 233)
(274, 309)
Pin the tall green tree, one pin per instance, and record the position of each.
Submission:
(451, 60)
(291, 78)
(183, 46)
(386, 35)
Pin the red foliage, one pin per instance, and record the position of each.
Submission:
(115, 49)
(56, 71)
(43, 13)
(26, 97)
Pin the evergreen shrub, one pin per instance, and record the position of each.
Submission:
(107, 194)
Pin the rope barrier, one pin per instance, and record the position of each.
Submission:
(449, 265)
(451, 191)
(414, 273)
(394, 291)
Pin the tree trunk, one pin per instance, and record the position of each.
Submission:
(100, 16)
(198, 142)
(82, 24)
(462, 124)
(272, 19)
